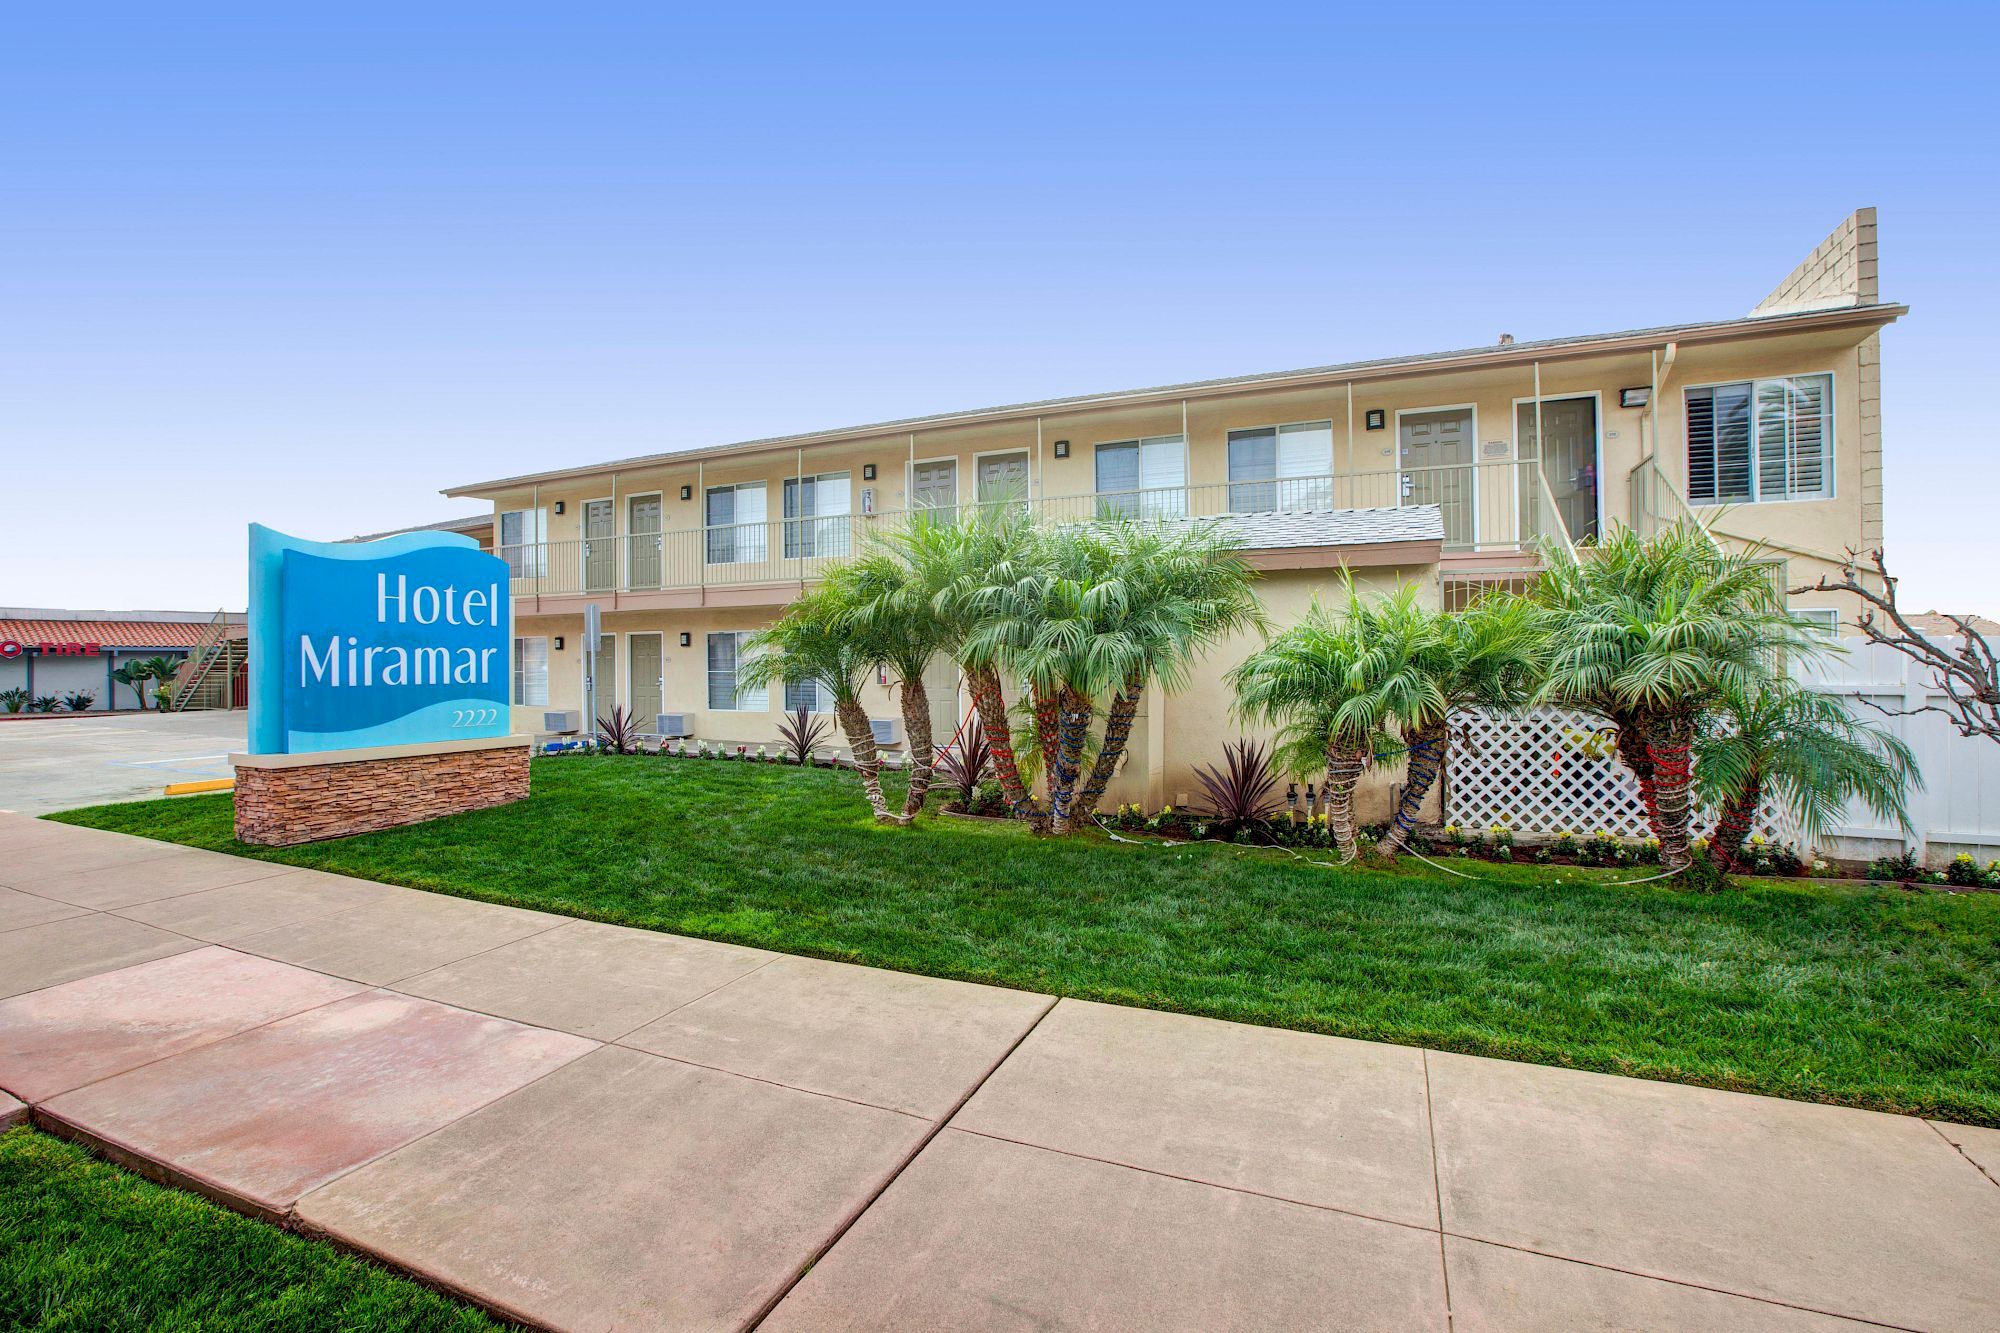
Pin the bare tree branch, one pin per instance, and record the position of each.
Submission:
(1967, 673)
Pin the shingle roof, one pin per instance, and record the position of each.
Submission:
(1461, 358)
(1333, 527)
(111, 633)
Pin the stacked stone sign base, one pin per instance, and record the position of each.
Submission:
(283, 799)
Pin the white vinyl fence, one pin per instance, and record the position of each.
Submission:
(1551, 770)
(1959, 808)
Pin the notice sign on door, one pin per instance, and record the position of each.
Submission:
(401, 641)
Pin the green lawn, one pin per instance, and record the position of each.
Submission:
(85, 1246)
(1870, 996)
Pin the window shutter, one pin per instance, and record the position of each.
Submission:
(1811, 435)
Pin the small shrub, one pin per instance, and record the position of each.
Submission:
(802, 733)
(1902, 868)
(1564, 845)
(1500, 836)
(14, 700)
(1244, 790)
(78, 701)
(1964, 872)
(44, 703)
(617, 733)
(966, 765)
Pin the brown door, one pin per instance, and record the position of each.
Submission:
(1436, 450)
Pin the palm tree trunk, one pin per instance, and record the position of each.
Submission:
(1629, 733)
(1344, 766)
(1048, 732)
(861, 738)
(1734, 826)
(1427, 745)
(923, 758)
(1117, 728)
(1668, 742)
(992, 707)
(1073, 725)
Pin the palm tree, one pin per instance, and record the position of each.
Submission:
(1312, 681)
(814, 640)
(1802, 747)
(890, 608)
(1185, 589)
(1425, 664)
(1103, 610)
(1649, 633)
(961, 568)
(134, 674)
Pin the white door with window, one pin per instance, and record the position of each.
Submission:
(1436, 449)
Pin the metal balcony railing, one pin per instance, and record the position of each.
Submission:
(1496, 506)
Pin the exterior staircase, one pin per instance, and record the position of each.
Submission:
(205, 675)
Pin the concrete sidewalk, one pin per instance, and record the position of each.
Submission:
(586, 1126)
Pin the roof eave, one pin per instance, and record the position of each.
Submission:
(1561, 349)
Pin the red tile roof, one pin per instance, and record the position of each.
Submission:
(110, 633)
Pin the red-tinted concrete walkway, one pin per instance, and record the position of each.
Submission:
(590, 1127)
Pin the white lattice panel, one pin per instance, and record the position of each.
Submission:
(1553, 770)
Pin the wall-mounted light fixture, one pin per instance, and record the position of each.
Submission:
(1378, 418)
(1062, 448)
(687, 492)
(1638, 397)
(686, 638)
(558, 643)
(559, 506)
(867, 472)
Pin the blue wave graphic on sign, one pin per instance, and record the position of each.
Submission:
(401, 641)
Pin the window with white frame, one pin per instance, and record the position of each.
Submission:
(816, 514)
(1143, 478)
(735, 518)
(1760, 440)
(1284, 468)
(728, 654)
(531, 671)
(522, 534)
(810, 695)
(1825, 619)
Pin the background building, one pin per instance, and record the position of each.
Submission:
(55, 653)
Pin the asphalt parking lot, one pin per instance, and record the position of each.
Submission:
(61, 762)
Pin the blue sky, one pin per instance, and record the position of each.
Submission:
(308, 265)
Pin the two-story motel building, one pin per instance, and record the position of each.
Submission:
(1445, 469)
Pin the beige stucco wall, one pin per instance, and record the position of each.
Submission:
(1173, 736)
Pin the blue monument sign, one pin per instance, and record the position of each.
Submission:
(401, 641)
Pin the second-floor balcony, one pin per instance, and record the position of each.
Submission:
(1491, 507)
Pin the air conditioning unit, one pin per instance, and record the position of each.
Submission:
(565, 723)
(675, 726)
(888, 730)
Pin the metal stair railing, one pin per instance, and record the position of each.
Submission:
(199, 665)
